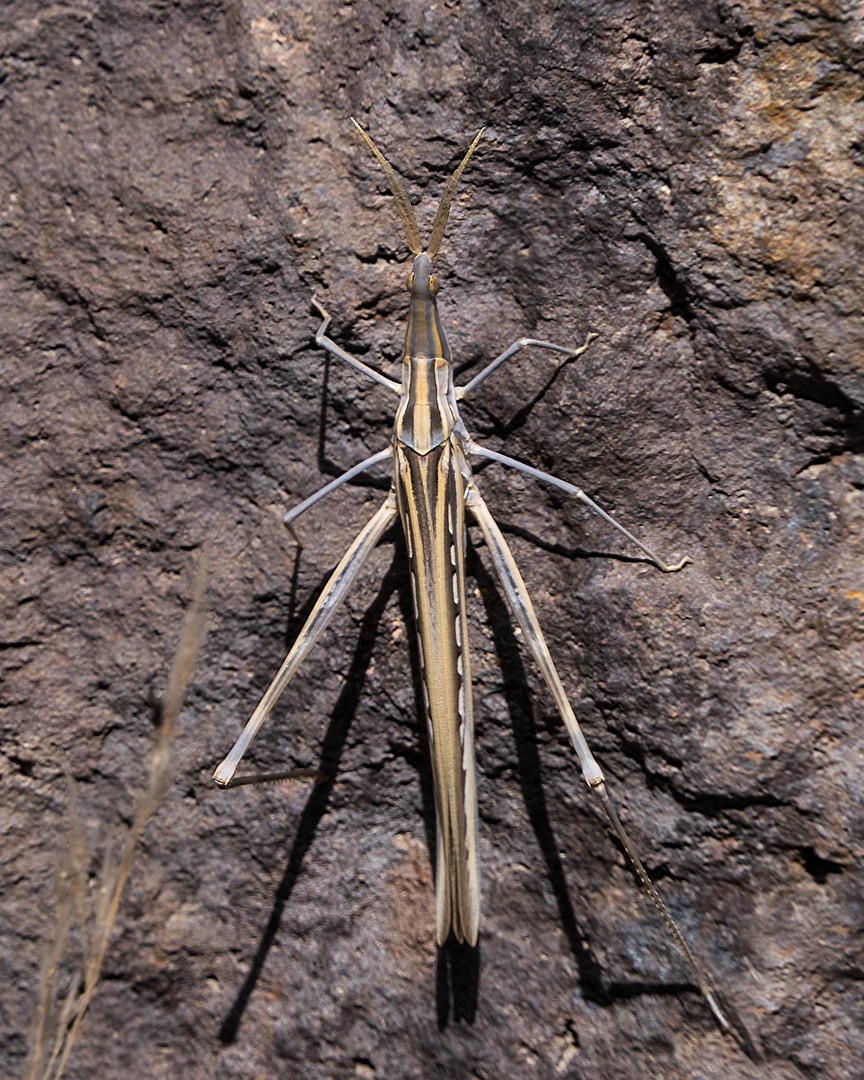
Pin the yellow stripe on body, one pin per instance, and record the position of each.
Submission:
(430, 493)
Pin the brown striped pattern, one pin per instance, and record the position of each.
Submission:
(430, 473)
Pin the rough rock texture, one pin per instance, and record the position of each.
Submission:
(683, 179)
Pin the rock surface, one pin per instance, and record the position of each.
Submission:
(686, 181)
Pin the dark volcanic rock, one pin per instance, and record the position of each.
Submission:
(683, 179)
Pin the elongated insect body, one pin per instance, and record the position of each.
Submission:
(430, 493)
(431, 475)
(433, 491)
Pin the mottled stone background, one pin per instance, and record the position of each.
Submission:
(685, 179)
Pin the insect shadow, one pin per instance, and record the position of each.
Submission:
(457, 974)
(457, 977)
(332, 748)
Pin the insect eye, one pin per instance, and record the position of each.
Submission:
(433, 285)
(411, 282)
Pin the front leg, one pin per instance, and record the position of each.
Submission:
(336, 350)
(522, 343)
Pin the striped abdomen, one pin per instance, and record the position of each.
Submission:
(430, 489)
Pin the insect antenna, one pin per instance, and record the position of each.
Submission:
(447, 198)
(403, 204)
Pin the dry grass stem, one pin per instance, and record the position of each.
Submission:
(58, 1021)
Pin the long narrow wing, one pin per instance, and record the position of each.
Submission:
(430, 491)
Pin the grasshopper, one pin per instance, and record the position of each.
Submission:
(433, 492)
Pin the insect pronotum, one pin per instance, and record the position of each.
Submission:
(432, 492)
